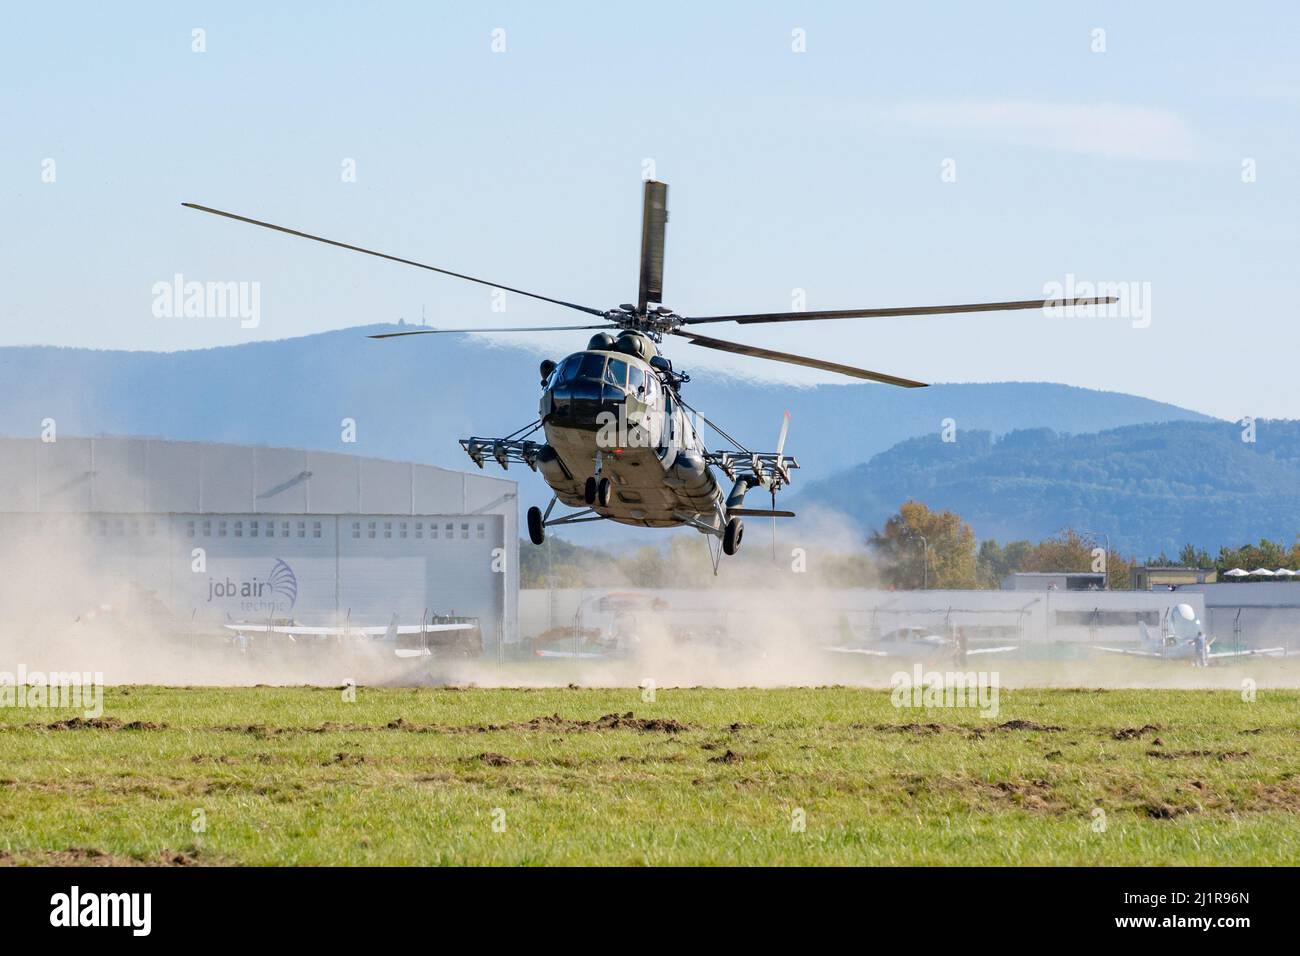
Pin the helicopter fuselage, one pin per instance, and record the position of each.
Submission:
(608, 413)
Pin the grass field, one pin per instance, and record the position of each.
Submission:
(303, 776)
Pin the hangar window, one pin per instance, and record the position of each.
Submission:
(433, 530)
(221, 529)
(402, 527)
(302, 529)
(189, 529)
(315, 529)
(252, 529)
(481, 533)
(388, 529)
(151, 527)
(135, 528)
(207, 528)
(103, 527)
(356, 529)
(450, 530)
(371, 530)
(239, 529)
(419, 529)
(284, 529)
(119, 527)
(464, 531)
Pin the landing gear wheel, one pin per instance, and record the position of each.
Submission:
(731, 536)
(589, 491)
(604, 489)
(536, 529)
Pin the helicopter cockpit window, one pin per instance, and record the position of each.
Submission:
(593, 366)
(567, 370)
(616, 372)
(636, 380)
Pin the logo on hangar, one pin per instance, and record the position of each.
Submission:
(277, 591)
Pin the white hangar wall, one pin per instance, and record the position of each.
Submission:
(315, 536)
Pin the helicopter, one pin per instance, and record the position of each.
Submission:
(619, 442)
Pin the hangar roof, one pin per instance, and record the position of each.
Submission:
(143, 475)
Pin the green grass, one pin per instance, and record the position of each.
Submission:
(302, 776)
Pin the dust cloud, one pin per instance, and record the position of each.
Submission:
(764, 621)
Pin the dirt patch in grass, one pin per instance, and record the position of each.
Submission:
(497, 760)
(90, 856)
(729, 757)
(1216, 754)
(553, 723)
(1030, 725)
(102, 723)
(1035, 795)
(913, 728)
(345, 759)
(1133, 733)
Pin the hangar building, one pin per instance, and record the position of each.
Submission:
(212, 532)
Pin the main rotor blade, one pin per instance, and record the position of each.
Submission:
(534, 328)
(384, 255)
(905, 310)
(724, 346)
(654, 219)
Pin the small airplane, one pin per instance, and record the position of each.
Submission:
(619, 442)
(392, 634)
(1183, 638)
(620, 620)
(918, 644)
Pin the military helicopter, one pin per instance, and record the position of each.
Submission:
(621, 444)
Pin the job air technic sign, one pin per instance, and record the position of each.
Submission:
(273, 592)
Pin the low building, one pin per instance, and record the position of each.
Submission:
(1037, 620)
(1054, 581)
(1150, 577)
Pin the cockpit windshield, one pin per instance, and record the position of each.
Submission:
(616, 373)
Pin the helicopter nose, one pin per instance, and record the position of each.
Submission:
(580, 402)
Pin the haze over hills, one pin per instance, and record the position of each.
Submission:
(413, 399)
(1150, 487)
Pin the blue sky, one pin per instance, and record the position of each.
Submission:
(818, 170)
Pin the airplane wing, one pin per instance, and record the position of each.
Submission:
(427, 629)
(1127, 652)
(372, 631)
(1253, 652)
(856, 650)
(992, 650)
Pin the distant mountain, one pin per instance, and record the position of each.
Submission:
(1151, 487)
(411, 400)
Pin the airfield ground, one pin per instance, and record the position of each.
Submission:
(573, 776)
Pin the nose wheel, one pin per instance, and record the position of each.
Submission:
(598, 492)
